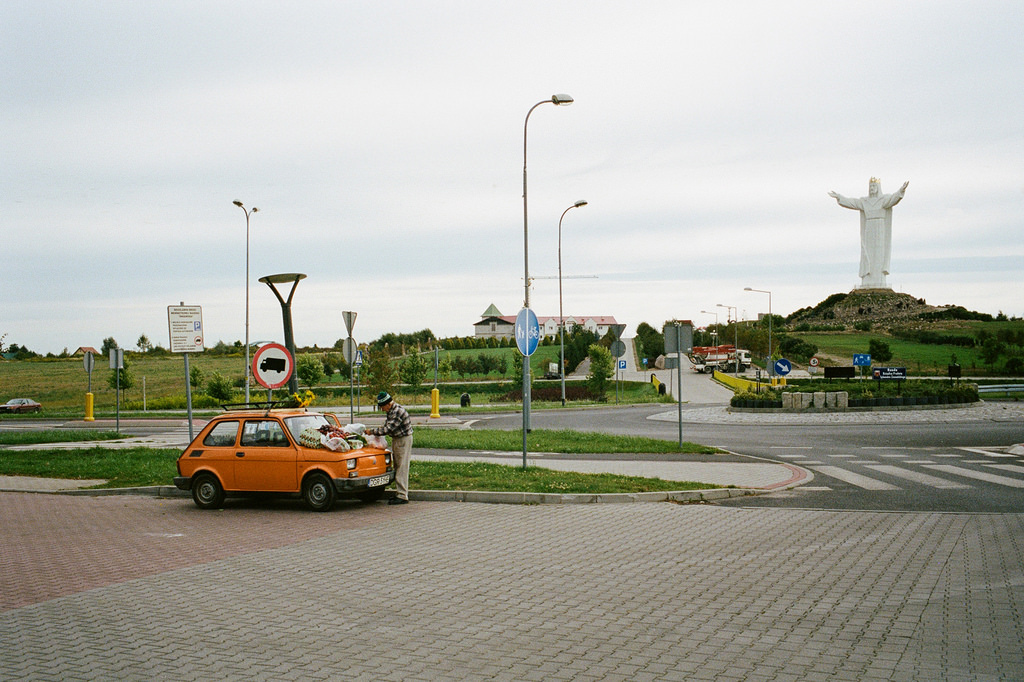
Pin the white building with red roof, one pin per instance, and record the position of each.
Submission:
(493, 324)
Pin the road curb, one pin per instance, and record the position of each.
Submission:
(483, 497)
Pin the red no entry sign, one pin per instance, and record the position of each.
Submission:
(272, 365)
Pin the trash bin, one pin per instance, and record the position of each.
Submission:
(464, 400)
(661, 389)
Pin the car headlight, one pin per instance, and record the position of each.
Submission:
(351, 463)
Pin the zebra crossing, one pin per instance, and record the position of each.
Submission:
(895, 469)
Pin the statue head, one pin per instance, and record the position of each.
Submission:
(874, 187)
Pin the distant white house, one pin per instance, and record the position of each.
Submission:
(493, 324)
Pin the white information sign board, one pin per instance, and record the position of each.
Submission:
(185, 326)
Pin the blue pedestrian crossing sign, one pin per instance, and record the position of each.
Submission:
(527, 332)
(783, 367)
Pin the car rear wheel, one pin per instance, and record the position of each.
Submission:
(318, 492)
(207, 492)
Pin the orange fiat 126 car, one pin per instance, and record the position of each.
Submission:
(286, 451)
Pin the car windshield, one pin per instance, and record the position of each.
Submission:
(296, 425)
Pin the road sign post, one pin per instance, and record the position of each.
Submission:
(527, 333)
(89, 362)
(185, 329)
(272, 367)
(350, 350)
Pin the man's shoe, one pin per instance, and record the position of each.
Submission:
(398, 500)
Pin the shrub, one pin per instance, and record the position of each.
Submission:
(766, 396)
(219, 387)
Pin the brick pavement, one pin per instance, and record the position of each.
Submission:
(431, 591)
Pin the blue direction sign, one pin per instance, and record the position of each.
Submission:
(861, 360)
(527, 332)
(783, 367)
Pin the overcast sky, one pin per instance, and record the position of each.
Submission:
(383, 145)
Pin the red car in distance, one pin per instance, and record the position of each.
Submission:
(16, 405)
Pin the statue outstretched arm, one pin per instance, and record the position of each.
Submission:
(845, 202)
(895, 197)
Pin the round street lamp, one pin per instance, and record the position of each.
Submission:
(292, 278)
(561, 318)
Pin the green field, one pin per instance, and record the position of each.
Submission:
(60, 384)
(919, 358)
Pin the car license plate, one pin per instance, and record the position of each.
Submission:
(378, 481)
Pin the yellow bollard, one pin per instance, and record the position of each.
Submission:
(435, 403)
(88, 408)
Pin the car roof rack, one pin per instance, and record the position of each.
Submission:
(257, 405)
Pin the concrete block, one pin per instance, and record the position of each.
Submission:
(819, 399)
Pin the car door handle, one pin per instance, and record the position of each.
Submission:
(239, 454)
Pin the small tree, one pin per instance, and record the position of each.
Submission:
(601, 369)
(378, 372)
(144, 344)
(125, 381)
(310, 370)
(219, 387)
(195, 376)
(879, 350)
(517, 368)
(444, 367)
(108, 343)
(413, 370)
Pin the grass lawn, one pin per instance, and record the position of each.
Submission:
(149, 466)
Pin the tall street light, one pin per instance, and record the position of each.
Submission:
(715, 313)
(561, 318)
(768, 363)
(557, 100)
(292, 278)
(731, 309)
(247, 369)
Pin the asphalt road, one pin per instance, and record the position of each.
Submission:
(958, 460)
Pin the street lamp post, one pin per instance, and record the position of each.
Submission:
(730, 310)
(768, 363)
(248, 372)
(292, 278)
(715, 313)
(557, 100)
(561, 318)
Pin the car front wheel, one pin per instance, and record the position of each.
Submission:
(207, 492)
(318, 492)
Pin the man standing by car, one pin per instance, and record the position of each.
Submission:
(398, 425)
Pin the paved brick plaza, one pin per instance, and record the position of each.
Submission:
(140, 588)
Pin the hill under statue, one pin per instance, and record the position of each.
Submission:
(882, 307)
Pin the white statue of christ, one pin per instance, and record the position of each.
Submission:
(875, 231)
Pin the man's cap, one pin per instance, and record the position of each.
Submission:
(383, 398)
